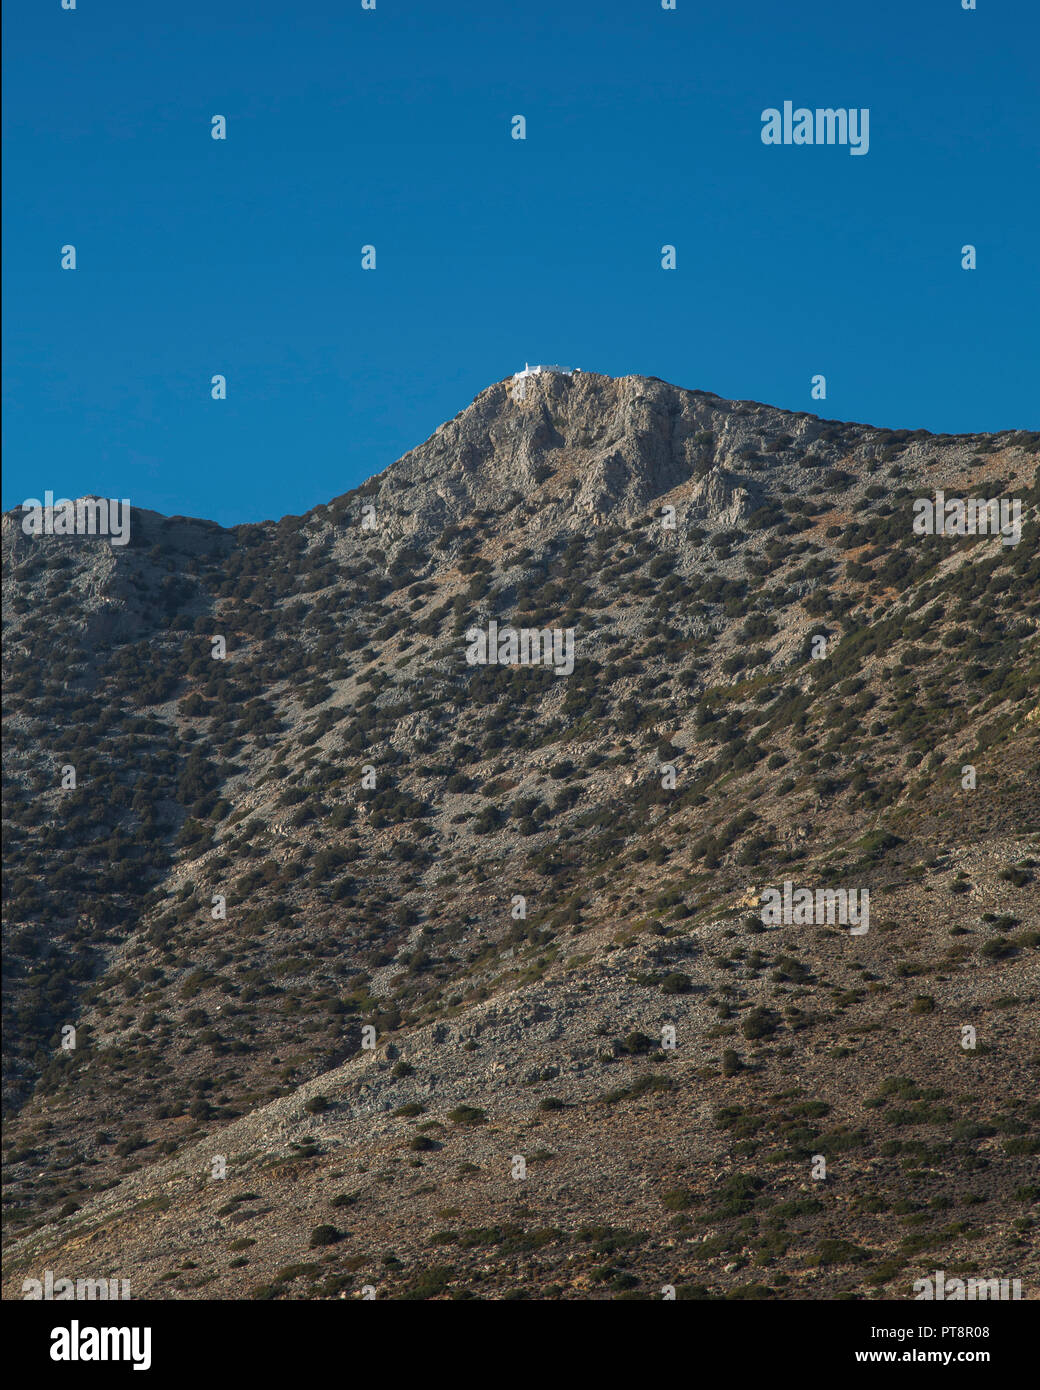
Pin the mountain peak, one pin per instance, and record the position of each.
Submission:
(580, 447)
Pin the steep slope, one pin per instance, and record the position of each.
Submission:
(344, 822)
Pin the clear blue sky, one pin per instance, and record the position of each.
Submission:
(392, 127)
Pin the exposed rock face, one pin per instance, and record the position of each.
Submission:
(615, 445)
(301, 820)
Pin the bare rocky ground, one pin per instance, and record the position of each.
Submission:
(614, 1190)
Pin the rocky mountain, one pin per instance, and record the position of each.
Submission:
(348, 950)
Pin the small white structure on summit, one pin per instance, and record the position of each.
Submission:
(536, 371)
(521, 377)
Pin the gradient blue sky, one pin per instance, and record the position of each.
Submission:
(393, 127)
